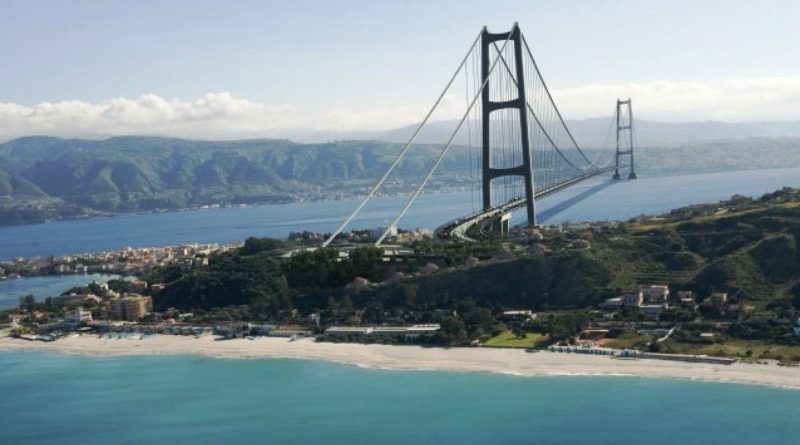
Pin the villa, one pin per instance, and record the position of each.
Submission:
(633, 299)
(655, 294)
(131, 307)
(77, 316)
(651, 300)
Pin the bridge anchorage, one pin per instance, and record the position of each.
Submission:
(525, 148)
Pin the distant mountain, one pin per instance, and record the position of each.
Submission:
(45, 178)
(592, 133)
(124, 174)
(650, 133)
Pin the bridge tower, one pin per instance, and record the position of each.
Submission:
(519, 103)
(624, 124)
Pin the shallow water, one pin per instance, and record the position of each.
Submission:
(54, 398)
(43, 287)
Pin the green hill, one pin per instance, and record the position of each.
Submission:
(135, 173)
(747, 248)
(146, 173)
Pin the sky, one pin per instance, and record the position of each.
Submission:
(236, 68)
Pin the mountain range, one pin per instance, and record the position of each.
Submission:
(593, 133)
(43, 178)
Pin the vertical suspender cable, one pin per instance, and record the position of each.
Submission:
(538, 122)
(444, 150)
(536, 67)
(404, 150)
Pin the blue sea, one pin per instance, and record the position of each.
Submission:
(43, 287)
(601, 199)
(62, 399)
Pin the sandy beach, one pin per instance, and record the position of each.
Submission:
(502, 361)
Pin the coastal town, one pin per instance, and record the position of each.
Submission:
(126, 262)
(351, 291)
(105, 312)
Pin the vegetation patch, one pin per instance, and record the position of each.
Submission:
(509, 339)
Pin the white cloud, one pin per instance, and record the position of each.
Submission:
(216, 115)
(220, 115)
(773, 98)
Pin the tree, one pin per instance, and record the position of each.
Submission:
(796, 296)
(452, 331)
(347, 304)
(333, 307)
(409, 294)
(478, 321)
(27, 302)
(255, 245)
(115, 285)
(567, 325)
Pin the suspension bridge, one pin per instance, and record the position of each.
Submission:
(509, 120)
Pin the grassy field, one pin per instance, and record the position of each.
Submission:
(507, 339)
(628, 340)
(743, 349)
(746, 350)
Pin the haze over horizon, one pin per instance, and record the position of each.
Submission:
(203, 70)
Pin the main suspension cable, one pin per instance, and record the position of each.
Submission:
(445, 149)
(550, 96)
(405, 149)
(536, 118)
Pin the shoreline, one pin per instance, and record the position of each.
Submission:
(418, 358)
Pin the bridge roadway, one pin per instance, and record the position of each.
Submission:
(458, 228)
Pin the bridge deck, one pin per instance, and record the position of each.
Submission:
(458, 228)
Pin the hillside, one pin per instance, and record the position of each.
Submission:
(747, 248)
(140, 173)
(743, 247)
(49, 178)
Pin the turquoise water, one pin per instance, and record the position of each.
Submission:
(52, 398)
(595, 200)
(43, 287)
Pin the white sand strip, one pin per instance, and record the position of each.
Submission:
(504, 361)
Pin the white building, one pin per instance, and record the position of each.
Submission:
(421, 330)
(520, 315)
(78, 315)
(632, 299)
(613, 304)
(655, 294)
(407, 332)
(347, 330)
